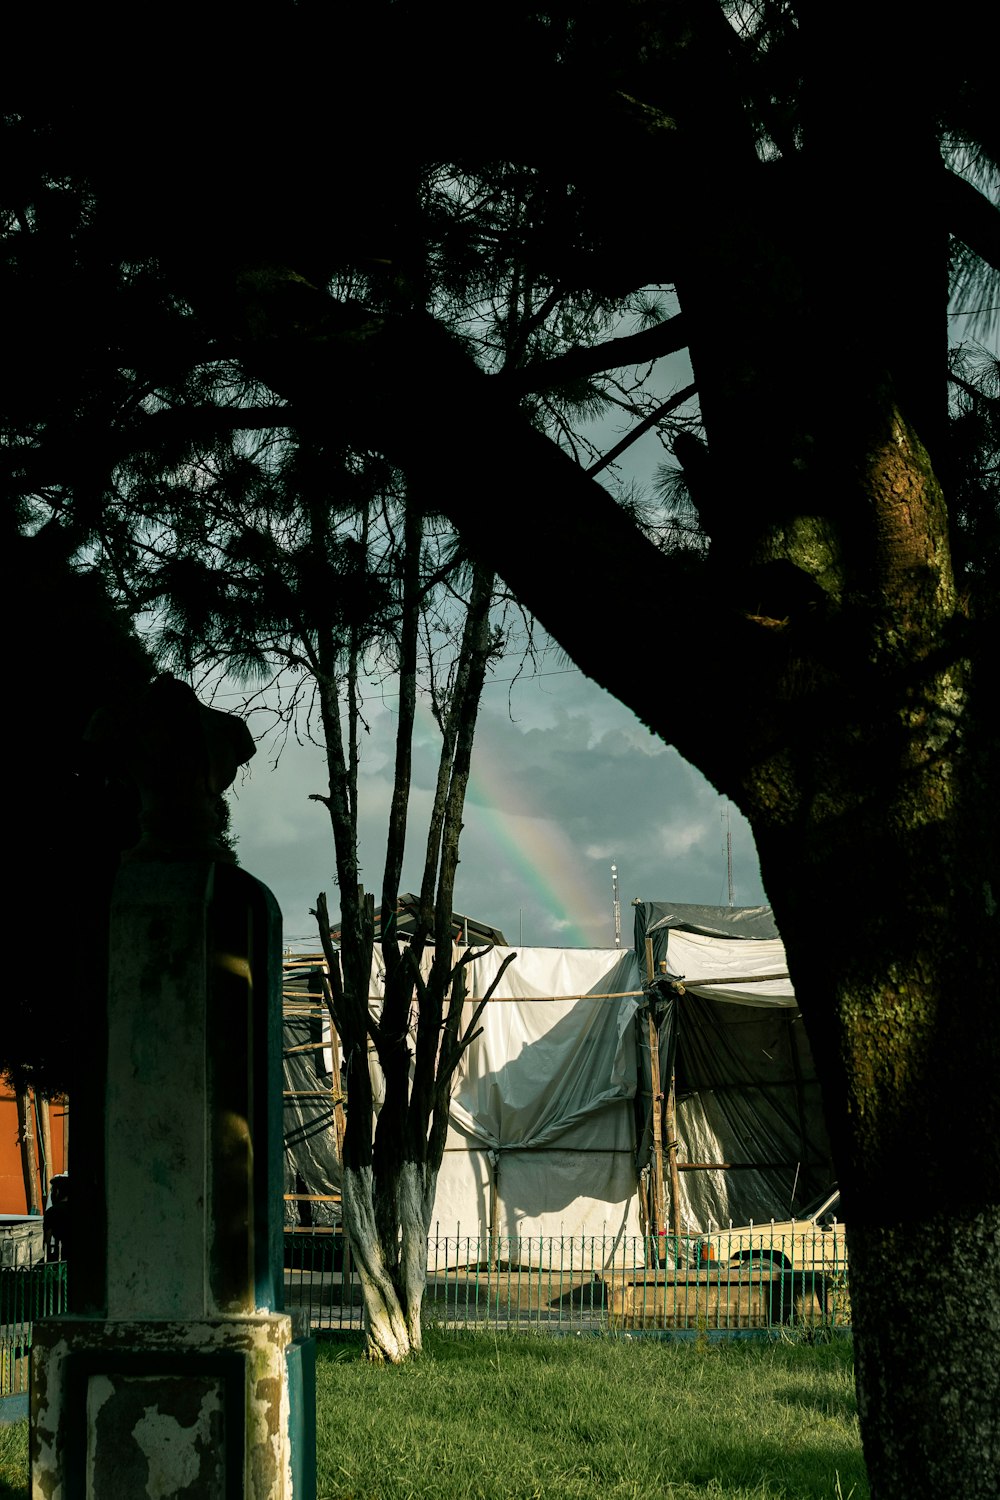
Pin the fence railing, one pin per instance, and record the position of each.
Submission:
(27, 1293)
(724, 1282)
(701, 1283)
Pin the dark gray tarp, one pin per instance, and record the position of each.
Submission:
(713, 921)
(750, 1125)
(747, 1095)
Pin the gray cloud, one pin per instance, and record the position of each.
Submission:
(565, 781)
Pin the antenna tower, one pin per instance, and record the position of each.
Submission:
(617, 906)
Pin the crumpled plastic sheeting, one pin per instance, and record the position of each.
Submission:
(542, 1101)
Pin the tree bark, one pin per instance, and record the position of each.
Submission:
(386, 1321)
(924, 1294)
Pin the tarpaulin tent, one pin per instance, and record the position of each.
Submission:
(751, 1143)
(552, 1112)
(541, 1140)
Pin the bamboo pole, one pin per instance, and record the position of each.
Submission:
(654, 1075)
(644, 1202)
(312, 1094)
(671, 1124)
(337, 1087)
(494, 1251)
(312, 1198)
(675, 1181)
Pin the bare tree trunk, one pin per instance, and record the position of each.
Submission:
(386, 1325)
(45, 1142)
(416, 1196)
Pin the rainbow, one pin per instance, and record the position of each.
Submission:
(545, 862)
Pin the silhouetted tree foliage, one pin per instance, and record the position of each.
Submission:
(380, 237)
(67, 821)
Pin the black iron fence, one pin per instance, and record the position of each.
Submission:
(27, 1292)
(729, 1282)
(725, 1282)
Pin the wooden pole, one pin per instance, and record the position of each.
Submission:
(654, 1072)
(26, 1136)
(339, 1123)
(339, 1119)
(671, 1124)
(675, 1178)
(494, 1252)
(644, 1202)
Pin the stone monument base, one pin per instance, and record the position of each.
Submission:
(220, 1409)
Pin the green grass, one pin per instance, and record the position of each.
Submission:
(519, 1416)
(13, 1460)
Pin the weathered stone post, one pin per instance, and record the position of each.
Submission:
(185, 1377)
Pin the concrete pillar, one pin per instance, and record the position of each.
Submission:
(185, 1377)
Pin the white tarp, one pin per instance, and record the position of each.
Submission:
(696, 956)
(541, 1117)
(542, 1124)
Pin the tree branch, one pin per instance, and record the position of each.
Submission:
(631, 349)
(671, 404)
(972, 218)
(470, 1033)
(341, 1019)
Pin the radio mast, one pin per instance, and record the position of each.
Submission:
(617, 906)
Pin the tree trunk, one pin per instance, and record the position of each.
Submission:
(926, 1303)
(869, 788)
(392, 1294)
(416, 1199)
(903, 1027)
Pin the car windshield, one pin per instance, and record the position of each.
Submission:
(826, 1203)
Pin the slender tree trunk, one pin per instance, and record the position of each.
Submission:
(29, 1163)
(45, 1141)
(417, 1185)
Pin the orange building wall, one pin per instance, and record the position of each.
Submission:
(13, 1199)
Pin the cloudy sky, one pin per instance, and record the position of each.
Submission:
(565, 783)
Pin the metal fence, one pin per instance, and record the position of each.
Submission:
(696, 1284)
(27, 1293)
(728, 1283)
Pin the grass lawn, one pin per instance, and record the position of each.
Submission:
(519, 1416)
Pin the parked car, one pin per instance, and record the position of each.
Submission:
(814, 1238)
(806, 1257)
